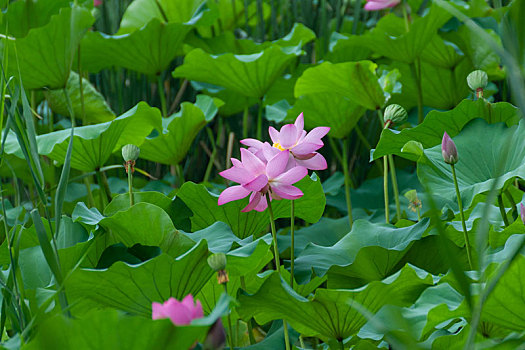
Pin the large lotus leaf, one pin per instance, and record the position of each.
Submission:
(111, 329)
(328, 109)
(443, 88)
(133, 288)
(441, 53)
(480, 148)
(346, 48)
(430, 132)
(148, 50)
(326, 232)
(143, 223)
(369, 252)
(140, 12)
(249, 75)
(389, 38)
(45, 55)
(96, 110)
(94, 144)
(479, 51)
(25, 15)
(206, 211)
(330, 314)
(506, 304)
(179, 131)
(360, 84)
(226, 42)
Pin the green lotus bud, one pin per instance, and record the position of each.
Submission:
(217, 261)
(130, 153)
(477, 81)
(395, 114)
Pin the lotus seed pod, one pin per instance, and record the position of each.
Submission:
(217, 261)
(449, 150)
(478, 79)
(395, 113)
(130, 153)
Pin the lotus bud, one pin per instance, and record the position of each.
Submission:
(522, 212)
(477, 81)
(394, 114)
(130, 153)
(449, 150)
(216, 338)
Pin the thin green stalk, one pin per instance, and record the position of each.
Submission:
(502, 210)
(180, 174)
(213, 155)
(249, 323)
(292, 243)
(162, 96)
(385, 189)
(394, 185)
(245, 123)
(415, 67)
(462, 215)
(357, 16)
(82, 106)
(341, 345)
(277, 263)
(90, 199)
(230, 328)
(346, 174)
(105, 185)
(129, 169)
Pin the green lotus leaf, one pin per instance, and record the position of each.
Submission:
(95, 110)
(328, 109)
(430, 132)
(206, 211)
(249, 75)
(148, 50)
(390, 38)
(94, 144)
(346, 48)
(361, 84)
(369, 252)
(179, 131)
(330, 314)
(45, 55)
(35, 14)
(480, 149)
(132, 288)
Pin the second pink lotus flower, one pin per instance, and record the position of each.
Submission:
(179, 312)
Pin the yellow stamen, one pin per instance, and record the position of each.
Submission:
(278, 146)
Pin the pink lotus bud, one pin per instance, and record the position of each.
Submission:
(179, 312)
(522, 212)
(448, 150)
(374, 5)
(97, 3)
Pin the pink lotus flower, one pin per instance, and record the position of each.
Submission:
(179, 312)
(294, 138)
(449, 150)
(373, 5)
(258, 177)
(97, 3)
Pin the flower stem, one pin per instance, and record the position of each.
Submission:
(259, 120)
(416, 73)
(292, 244)
(385, 188)
(277, 263)
(130, 183)
(394, 185)
(347, 181)
(162, 96)
(502, 210)
(249, 322)
(230, 328)
(462, 215)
